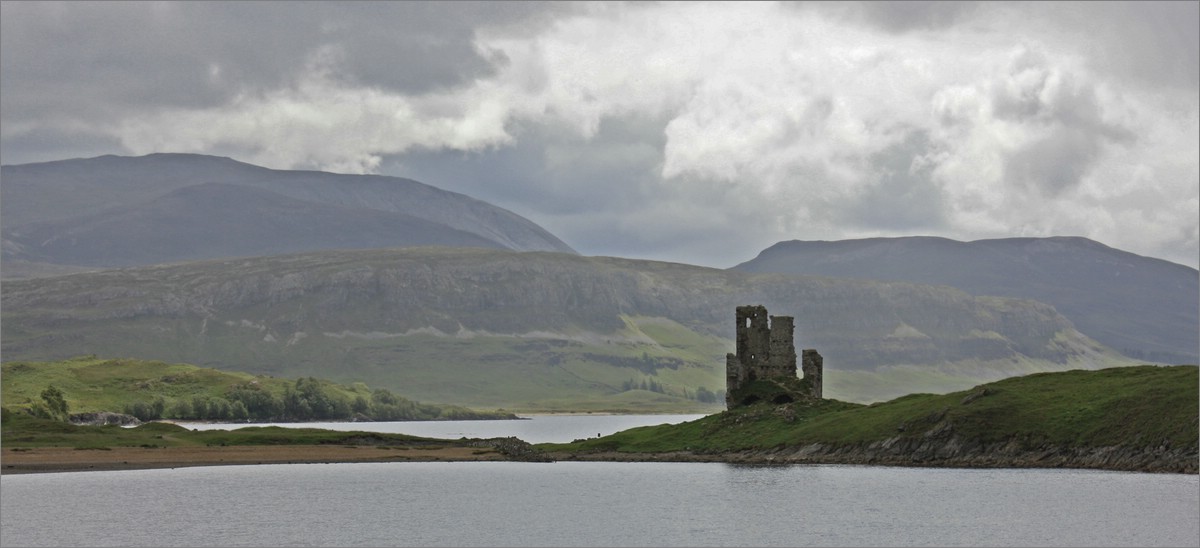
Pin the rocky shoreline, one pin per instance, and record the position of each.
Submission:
(901, 452)
(57, 459)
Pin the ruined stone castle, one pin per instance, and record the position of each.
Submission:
(765, 350)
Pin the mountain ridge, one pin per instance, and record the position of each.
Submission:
(65, 195)
(215, 220)
(1142, 306)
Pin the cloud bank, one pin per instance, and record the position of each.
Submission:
(694, 132)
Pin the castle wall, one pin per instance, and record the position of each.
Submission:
(813, 365)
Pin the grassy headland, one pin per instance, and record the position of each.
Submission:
(1130, 418)
(1141, 418)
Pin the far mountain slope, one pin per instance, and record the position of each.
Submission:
(50, 201)
(1141, 306)
(532, 330)
(214, 220)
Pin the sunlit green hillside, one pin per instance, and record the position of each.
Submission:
(153, 390)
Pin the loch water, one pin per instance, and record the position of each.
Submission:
(596, 504)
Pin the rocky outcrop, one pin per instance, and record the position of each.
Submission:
(514, 448)
(947, 454)
(101, 418)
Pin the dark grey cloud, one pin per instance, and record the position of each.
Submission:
(1156, 42)
(419, 47)
(1051, 165)
(79, 56)
(903, 196)
(898, 17)
(88, 63)
(571, 183)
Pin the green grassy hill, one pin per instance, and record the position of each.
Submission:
(20, 431)
(90, 384)
(1126, 418)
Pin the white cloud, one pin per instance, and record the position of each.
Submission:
(319, 122)
(793, 110)
(774, 121)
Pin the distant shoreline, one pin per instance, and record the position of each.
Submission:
(1084, 460)
(64, 459)
(520, 416)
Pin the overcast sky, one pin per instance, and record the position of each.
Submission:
(690, 132)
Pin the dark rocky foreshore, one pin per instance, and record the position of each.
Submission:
(513, 448)
(102, 418)
(923, 453)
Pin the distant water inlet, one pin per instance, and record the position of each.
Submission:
(597, 504)
(533, 429)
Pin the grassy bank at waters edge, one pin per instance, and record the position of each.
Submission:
(31, 444)
(1131, 418)
(1129, 407)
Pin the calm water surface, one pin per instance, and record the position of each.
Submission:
(597, 504)
(533, 429)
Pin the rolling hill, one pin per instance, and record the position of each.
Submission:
(114, 211)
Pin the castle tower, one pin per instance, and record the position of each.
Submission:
(782, 357)
(766, 349)
(753, 340)
(814, 366)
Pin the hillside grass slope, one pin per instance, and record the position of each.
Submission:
(1140, 306)
(94, 385)
(1128, 418)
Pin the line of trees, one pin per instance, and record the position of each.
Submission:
(306, 400)
(646, 384)
(702, 394)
